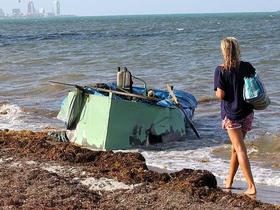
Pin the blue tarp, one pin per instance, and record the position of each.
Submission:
(187, 100)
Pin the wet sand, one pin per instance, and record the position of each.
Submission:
(37, 172)
(266, 194)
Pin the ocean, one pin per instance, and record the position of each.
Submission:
(182, 50)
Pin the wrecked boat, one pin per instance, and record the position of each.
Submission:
(122, 116)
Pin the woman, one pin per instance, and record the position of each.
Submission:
(237, 115)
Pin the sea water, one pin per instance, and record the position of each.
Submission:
(181, 50)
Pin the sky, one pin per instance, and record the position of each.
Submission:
(132, 7)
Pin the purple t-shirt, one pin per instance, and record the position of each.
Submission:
(231, 82)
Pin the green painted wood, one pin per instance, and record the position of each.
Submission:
(109, 123)
(92, 129)
(130, 124)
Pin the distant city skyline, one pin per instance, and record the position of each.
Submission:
(131, 7)
(28, 8)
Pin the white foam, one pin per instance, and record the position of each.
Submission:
(16, 165)
(2, 160)
(252, 150)
(10, 116)
(31, 162)
(13, 117)
(104, 184)
(202, 159)
(53, 169)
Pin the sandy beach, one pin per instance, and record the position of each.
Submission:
(38, 172)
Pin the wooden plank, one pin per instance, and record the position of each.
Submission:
(127, 94)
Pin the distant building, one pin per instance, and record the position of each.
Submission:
(42, 12)
(56, 7)
(50, 14)
(30, 8)
(16, 12)
(2, 14)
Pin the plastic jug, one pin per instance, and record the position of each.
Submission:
(124, 78)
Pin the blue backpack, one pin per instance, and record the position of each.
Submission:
(254, 92)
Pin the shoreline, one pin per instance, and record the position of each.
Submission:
(265, 193)
(38, 171)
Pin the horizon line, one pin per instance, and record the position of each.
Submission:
(143, 14)
(191, 13)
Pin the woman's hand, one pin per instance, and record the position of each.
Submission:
(220, 94)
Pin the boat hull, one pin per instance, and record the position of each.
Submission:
(107, 123)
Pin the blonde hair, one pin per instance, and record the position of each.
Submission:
(231, 53)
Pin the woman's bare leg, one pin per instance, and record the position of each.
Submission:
(236, 136)
(233, 166)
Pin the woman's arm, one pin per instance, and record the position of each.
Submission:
(220, 94)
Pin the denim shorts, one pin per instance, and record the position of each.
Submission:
(245, 124)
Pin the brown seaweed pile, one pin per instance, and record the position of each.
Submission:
(25, 184)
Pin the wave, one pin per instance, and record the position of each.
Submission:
(9, 110)
(12, 39)
(203, 159)
(14, 117)
(10, 116)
